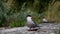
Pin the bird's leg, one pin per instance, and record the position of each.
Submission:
(31, 29)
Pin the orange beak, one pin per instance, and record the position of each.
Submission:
(32, 17)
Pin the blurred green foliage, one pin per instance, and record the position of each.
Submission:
(13, 12)
(58, 32)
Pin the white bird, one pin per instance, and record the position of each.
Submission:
(30, 23)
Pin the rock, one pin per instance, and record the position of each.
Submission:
(46, 28)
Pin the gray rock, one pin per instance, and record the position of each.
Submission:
(46, 28)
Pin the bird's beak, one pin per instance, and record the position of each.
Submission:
(32, 17)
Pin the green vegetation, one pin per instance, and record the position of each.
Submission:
(13, 12)
(58, 32)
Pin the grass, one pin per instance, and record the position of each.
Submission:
(52, 13)
(58, 32)
(17, 24)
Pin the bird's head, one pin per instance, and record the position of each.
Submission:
(30, 16)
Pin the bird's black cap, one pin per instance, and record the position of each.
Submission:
(28, 15)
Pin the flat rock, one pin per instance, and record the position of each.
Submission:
(46, 28)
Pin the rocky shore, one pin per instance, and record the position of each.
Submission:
(46, 28)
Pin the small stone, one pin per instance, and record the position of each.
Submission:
(52, 33)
